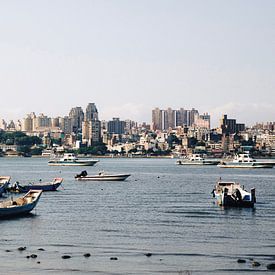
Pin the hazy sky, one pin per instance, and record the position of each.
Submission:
(130, 56)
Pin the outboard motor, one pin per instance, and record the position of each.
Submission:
(82, 174)
(253, 195)
(238, 195)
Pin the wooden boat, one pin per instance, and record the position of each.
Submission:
(196, 159)
(21, 205)
(71, 160)
(245, 161)
(44, 186)
(101, 176)
(232, 194)
(4, 182)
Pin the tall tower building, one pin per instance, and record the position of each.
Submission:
(76, 116)
(91, 112)
(91, 126)
(170, 119)
(157, 119)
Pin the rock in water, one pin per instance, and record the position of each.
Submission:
(271, 266)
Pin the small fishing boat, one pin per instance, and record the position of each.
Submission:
(232, 194)
(101, 176)
(70, 159)
(197, 159)
(21, 205)
(245, 161)
(44, 186)
(4, 183)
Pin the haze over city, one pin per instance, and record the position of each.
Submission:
(132, 56)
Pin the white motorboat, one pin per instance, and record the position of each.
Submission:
(197, 159)
(245, 161)
(101, 176)
(69, 159)
(232, 194)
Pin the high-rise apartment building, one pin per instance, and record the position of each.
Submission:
(91, 112)
(77, 117)
(91, 126)
(229, 126)
(157, 119)
(165, 119)
(41, 121)
(202, 121)
(116, 126)
(91, 132)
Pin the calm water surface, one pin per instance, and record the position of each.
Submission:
(163, 209)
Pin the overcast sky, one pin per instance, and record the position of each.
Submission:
(134, 55)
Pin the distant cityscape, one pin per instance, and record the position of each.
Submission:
(170, 133)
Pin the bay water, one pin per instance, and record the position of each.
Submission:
(161, 220)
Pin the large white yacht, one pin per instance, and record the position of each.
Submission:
(245, 161)
(197, 159)
(69, 159)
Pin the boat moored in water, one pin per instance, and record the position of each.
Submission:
(44, 186)
(232, 194)
(197, 159)
(245, 161)
(21, 205)
(69, 159)
(101, 176)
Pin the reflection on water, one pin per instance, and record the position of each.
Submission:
(163, 209)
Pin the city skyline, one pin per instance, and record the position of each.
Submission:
(150, 121)
(130, 57)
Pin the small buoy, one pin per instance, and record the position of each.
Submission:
(28, 257)
(241, 261)
(38, 262)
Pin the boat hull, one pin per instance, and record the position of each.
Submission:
(205, 162)
(44, 187)
(73, 163)
(229, 201)
(104, 178)
(246, 166)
